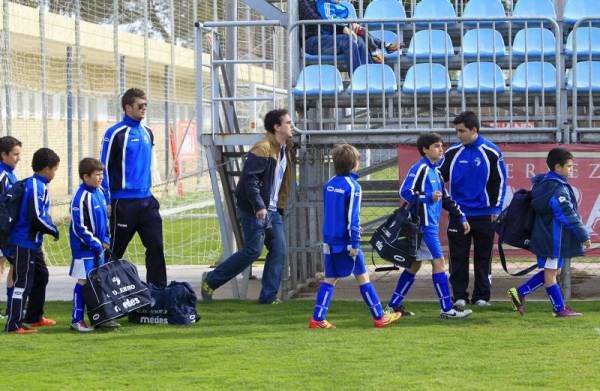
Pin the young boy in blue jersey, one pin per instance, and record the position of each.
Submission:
(425, 183)
(341, 240)
(558, 232)
(25, 241)
(10, 154)
(88, 235)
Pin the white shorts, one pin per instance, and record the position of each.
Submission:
(80, 267)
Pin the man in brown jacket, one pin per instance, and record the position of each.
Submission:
(261, 195)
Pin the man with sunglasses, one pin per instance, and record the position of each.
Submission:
(476, 174)
(127, 159)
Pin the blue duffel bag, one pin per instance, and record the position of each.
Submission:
(174, 304)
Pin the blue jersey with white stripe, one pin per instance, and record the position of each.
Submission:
(34, 220)
(127, 158)
(89, 223)
(341, 212)
(7, 177)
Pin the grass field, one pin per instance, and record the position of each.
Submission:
(243, 345)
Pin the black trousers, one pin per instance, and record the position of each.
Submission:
(482, 236)
(141, 215)
(29, 294)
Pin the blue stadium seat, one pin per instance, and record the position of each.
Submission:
(483, 9)
(351, 10)
(440, 45)
(308, 81)
(387, 37)
(532, 8)
(426, 77)
(374, 78)
(485, 77)
(534, 77)
(588, 77)
(577, 9)
(588, 42)
(385, 9)
(434, 9)
(487, 42)
(534, 41)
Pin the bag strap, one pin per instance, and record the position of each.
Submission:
(503, 262)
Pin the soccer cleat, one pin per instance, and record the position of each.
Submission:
(482, 303)
(567, 312)
(517, 301)
(23, 330)
(81, 326)
(206, 291)
(111, 324)
(460, 303)
(387, 319)
(43, 322)
(455, 313)
(401, 309)
(320, 324)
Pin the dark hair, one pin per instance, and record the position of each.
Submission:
(426, 140)
(88, 166)
(44, 157)
(344, 157)
(273, 118)
(7, 143)
(130, 95)
(558, 156)
(469, 119)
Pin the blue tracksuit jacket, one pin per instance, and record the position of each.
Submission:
(34, 220)
(341, 212)
(127, 158)
(89, 223)
(557, 227)
(422, 180)
(7, 177)
(476, 176)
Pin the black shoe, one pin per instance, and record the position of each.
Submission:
(402, 310)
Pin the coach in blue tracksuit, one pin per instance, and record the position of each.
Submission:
(476, 175)
(127, 159)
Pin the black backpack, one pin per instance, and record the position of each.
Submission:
(396, 240)
(514, 226)
(174, 304)
(10, 203)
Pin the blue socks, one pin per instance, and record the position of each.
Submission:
(9, 292)
(370, 297)
(536, 281)
(78, 305)
(555, 297)
(324, 296)
(442, 288)
(405, 282)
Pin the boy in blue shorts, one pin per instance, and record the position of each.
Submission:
(558, 232)
(25, 242)
(425, 182)
(88, 235)
(10, 154)
(341, 240)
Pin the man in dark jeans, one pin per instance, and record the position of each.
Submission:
(261, 196)
(127, 159)
(347, 43)
(476, 174)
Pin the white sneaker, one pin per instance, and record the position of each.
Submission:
(455, 313)
(81, 326)
(460, 303)
(482, 303)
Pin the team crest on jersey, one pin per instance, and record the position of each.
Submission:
(477, 161)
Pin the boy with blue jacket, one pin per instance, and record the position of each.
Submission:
(88, 235)
(425, 187)
(341, 240)
(25, 241)
(558, 232)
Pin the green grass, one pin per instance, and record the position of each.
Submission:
(243, 345)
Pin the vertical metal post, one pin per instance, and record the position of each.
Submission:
(231, 47)
(167, 117)
(173, 83)
(69, 119)
(44, 71)
(116, 58)
(6, 64)
(79, 77)
(122, 75)
(146, 60)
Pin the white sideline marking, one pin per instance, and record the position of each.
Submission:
(179, 209)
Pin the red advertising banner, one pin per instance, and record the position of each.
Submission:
(523, 161)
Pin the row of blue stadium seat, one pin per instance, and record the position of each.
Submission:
(483, 77)
(393, 9)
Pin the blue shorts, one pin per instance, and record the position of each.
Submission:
(81, 267)
(549, 263)
(430, 246)
(339, 265)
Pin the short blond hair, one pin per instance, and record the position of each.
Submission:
(345, 157)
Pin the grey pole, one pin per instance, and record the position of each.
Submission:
(231, 47)
(69, 119)
(6, 59)
(79, 77)
(116, 57)
(167, 117)
(44, 71)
